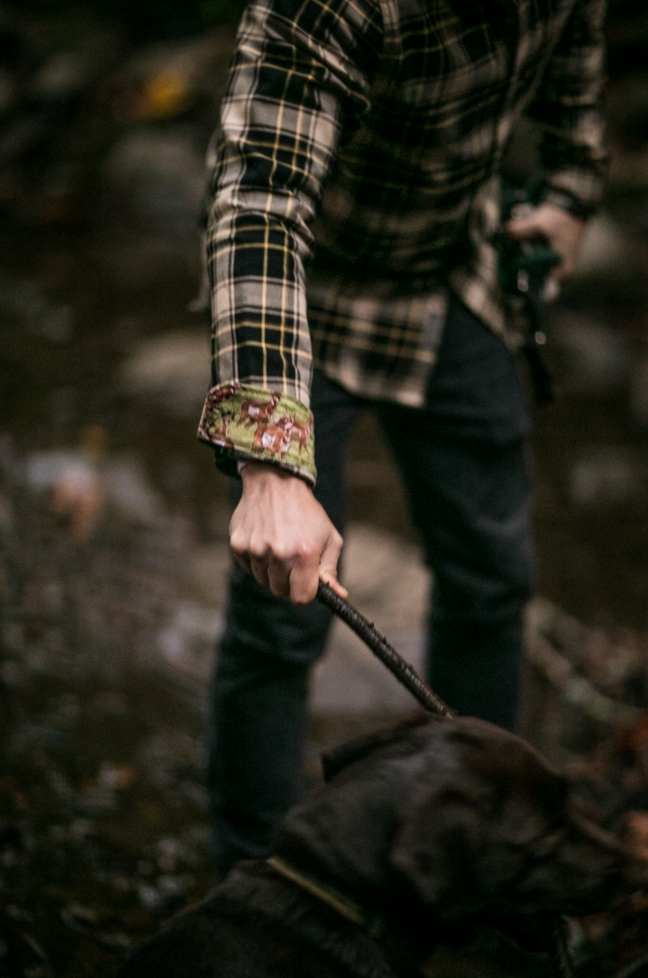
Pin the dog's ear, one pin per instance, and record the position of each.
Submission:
(439, 849)
(335, 760)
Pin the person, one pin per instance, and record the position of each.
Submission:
(352, 258)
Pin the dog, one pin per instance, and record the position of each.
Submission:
(432, 834)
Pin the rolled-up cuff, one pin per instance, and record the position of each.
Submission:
(244, 422)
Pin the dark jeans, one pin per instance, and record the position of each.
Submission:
(463, 463)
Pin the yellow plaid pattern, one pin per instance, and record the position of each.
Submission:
(358, 151)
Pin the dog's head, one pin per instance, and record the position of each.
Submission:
(464, 817)
(501, 830)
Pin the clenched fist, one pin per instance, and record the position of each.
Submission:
(282, 535)
(562, 231)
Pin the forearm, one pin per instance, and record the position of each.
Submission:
(291, 82)
(568, 107)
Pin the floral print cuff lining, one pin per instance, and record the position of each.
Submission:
(243, 422)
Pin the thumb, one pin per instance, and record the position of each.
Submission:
(329, 563)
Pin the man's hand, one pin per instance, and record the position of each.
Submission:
(281, 534)
(561, 230)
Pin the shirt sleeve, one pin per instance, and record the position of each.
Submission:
(299, 80)
(568, 107)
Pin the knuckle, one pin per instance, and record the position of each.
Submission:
(257, 550)
(281, 554)
(307, 554)
(237, 547)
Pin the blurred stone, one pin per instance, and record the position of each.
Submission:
(146, 258)
(96, 800)
(69, 71)
(150, 897)
(210, 566)
(58, 324)
(77, 469)
(96, 609)
(81, 914)
(638, 393)
(598, 357)
(163, 80)
(161, 174)
(127, 488)
(22, 133)
(170, 852)
(385, 575)
(115, 777)
(173, 369)
(172, 885)
(605, 249)
(26, 299)
(389, 584)
(168, 754)
(61, 77)
(187, 643)
(75, 482)
(606, 475)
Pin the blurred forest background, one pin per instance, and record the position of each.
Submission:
(113, 521)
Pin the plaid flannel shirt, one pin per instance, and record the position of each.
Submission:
(356, 182)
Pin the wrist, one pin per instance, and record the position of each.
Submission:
(255, 472)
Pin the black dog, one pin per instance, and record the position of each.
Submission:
(420, 836)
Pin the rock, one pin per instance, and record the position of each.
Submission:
(168, 754)
(385, 576)
(76, 67)
(75, 478)
(61, 77)
(173, 369)
(115, 777)
(606, 475)
(127, 488)
(162, 175)
(27, 300)
(45, 469)
(187, 643)
(142, 260)
(605, 249)
(210, 566)
(389, 584)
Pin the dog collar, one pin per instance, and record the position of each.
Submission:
(333, 898)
